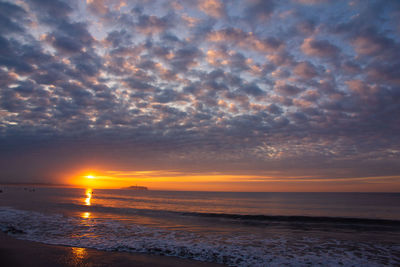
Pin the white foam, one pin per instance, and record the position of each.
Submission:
(234, 250)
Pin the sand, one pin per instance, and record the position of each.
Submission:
(15, 252)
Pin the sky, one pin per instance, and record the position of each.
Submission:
(249, 95)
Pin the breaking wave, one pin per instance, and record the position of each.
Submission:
(234, 249)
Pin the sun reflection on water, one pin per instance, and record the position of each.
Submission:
(88, 197)
(85, 215)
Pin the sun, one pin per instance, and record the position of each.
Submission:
(90, 176)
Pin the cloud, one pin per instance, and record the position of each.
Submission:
(98, 7)
(153, 24)
(319, 48)
(252, 89)
(287, 89)
(70, 37)
(119, 38)
(167, 95)
(8, 13)
(305, 70)
(306, 27)
(246, 40)
(213, 8)
(259, 9)
(243, 85)
(185, 58)
(370, 42)
(51, 11)
(311, 2)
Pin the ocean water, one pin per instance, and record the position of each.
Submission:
(236, 229)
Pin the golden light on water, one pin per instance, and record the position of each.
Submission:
(79, 254)
(85, 215)
(88, 197)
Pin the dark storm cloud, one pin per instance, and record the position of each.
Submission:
(253, 85)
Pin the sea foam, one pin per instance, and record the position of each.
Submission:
(236, 249)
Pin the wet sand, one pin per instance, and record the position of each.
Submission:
(15, 252)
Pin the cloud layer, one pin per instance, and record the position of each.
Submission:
(289, 87)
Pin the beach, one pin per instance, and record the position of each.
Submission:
(15, 252)
(85, 227)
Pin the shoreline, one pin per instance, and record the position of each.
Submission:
(16, 252)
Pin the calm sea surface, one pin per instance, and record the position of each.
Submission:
(238, 229)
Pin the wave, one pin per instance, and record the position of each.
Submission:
(233, 248)
(260, 219)
(302, 219)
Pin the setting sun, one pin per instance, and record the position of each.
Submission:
(90, 176)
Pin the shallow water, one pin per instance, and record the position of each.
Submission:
(238, 229)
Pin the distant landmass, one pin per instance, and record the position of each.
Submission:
(136, 187)
(33, 184)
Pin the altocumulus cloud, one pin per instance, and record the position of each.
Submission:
(231, 86)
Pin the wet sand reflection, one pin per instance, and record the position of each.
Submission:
(78, 257)
(79, 253)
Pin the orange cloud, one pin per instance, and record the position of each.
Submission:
(246, 40)
(217, 57)
(305, 70)
(366, 45)
(191, 21)
(213, 8)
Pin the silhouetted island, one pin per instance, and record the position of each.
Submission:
(136, 187)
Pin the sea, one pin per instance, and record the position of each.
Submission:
(231, 228)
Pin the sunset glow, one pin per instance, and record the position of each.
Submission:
(275, 182)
